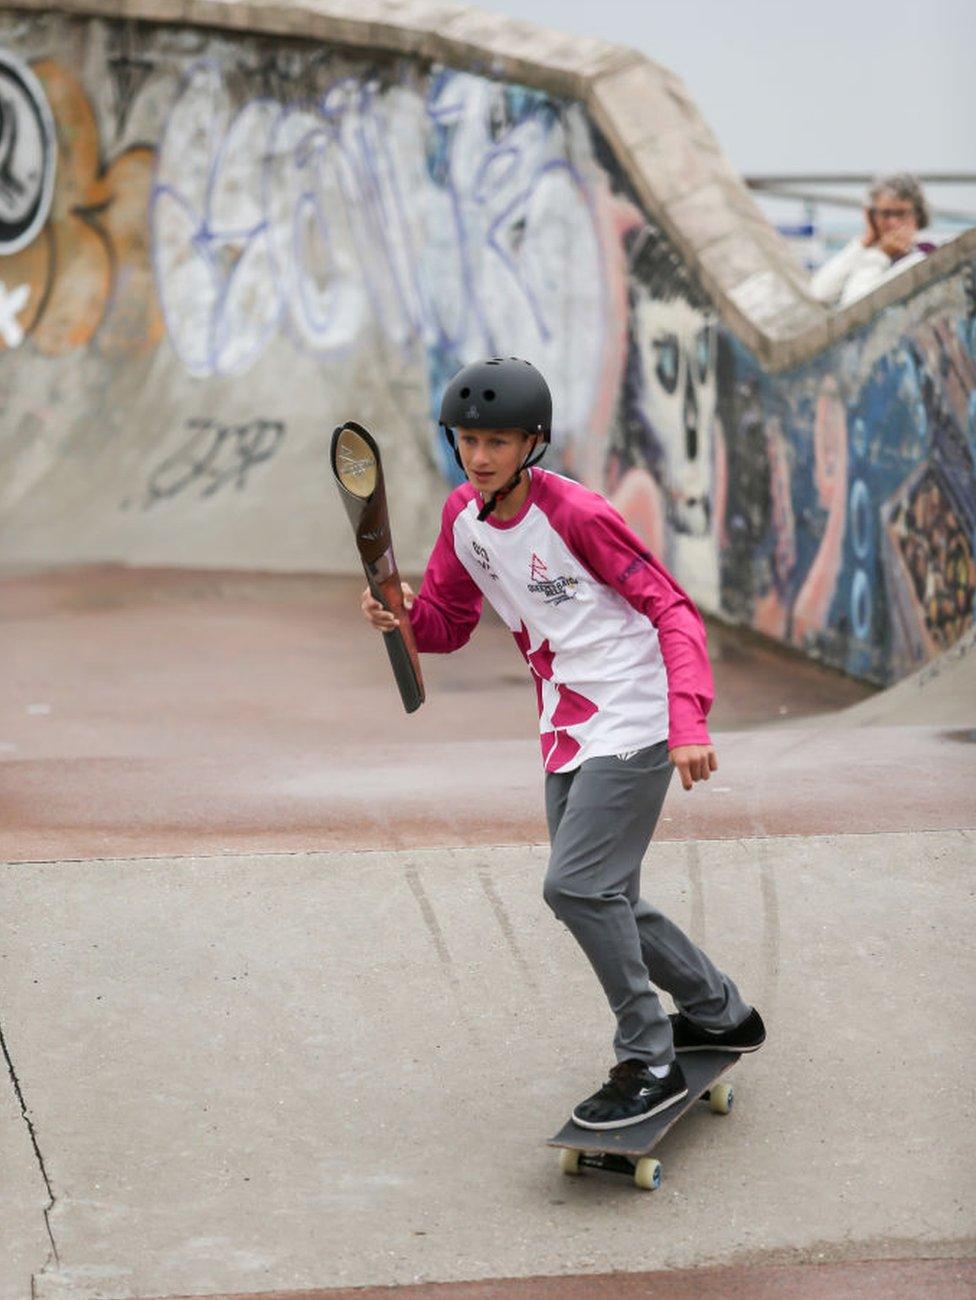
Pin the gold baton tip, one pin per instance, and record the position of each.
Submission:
(355, 464)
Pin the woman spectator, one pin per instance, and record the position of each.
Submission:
(895, 214)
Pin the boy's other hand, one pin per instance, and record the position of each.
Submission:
(375, 613)
(694, 762)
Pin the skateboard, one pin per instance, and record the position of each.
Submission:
(627, 1150)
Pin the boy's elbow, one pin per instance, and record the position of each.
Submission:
(462, 635)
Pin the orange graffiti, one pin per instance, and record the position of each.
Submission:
(88, 272)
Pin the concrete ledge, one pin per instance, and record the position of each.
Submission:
(643, 109)
(676, 162)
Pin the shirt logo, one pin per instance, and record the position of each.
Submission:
(553, 590)
(483, 559)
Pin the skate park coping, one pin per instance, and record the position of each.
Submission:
(643, 110)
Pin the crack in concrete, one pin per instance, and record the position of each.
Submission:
(52, 1199)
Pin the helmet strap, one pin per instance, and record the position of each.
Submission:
(531, 459)
(450, 438)
(494, 499)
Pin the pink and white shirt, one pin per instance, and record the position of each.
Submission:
(616, 648)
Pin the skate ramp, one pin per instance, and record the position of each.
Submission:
(247, 224)
(943, 694)
(283, 1007)
(171, 712)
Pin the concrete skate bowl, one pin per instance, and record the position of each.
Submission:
(941, 695)
(226, 228)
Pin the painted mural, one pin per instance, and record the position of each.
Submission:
(849, 521)
(445, 210)
(225, 212)
(77, 273)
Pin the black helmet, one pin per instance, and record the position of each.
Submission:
(503, 393)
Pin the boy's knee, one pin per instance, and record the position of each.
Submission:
(551, 893)
(566, 898)
(555, 894)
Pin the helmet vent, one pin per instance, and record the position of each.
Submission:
(465, 392)
(489, 394)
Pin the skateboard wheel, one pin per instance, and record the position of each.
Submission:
(569, 1161)
(647, 1173)
(720, 1099)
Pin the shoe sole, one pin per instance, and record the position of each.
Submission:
(634, 1119)
(720, 1047)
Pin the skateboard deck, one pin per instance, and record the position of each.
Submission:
(627, 1150)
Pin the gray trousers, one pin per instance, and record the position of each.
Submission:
(601, 818)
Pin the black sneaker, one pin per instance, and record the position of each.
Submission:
(749, 1036)
(630, 1094)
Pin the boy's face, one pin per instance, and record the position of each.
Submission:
(491, 456)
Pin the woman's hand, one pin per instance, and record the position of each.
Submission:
(380, 617)
(694, 762)
(898, 241)
(870, 236)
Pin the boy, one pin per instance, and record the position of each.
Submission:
(617, 653)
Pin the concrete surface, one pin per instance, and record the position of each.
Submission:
(942, 694)
(258, 1071)
(903, 1280)
(24, 1198)
(249, 1056)
(153, 711)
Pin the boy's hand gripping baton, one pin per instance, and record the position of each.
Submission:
(358, 474)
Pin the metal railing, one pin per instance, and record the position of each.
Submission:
(795, 187)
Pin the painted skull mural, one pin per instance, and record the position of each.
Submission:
(667, 451)
(238, 242)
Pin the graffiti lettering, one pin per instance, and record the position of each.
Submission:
(92, 243)
(449, 219)
(129, 70)
(215, 455)
(387, 221)
(11, 303)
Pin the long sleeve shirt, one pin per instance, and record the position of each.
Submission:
(616, 649)
(856, 270)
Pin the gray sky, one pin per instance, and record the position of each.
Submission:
(808, 85)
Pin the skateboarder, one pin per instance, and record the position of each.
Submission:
(617, 653)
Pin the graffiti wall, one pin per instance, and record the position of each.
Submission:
(849, 515)
(215, 248)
